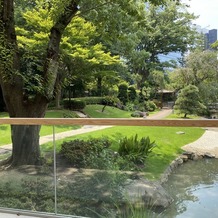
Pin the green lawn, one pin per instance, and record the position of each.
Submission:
(45, 130)
(175, 115)
(168, 141)
(95, 111)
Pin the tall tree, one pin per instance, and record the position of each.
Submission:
(25, 139)
(201, 70)
(27, 89)
(215, 45)
(166, 29)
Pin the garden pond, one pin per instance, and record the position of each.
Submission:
(194, 188)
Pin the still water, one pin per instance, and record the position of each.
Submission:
(194, 187)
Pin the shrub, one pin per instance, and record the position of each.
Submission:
(74, 104)
(30, 193)
(158, 103)
(141, 107)
(188, 101)
(136, 114)
(70, 115)
(92, 100)
(135, 150)
(92, 153)
(130, 107)
(110, 100)
(150, 106)
(139, 114)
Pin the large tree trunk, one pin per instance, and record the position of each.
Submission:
(25, 139)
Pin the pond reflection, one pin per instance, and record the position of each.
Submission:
(194, 187)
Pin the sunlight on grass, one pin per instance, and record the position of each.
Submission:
(5, 130)
(3, 115)
(176, 115)
(95, 111)
(5, 133)
(168, 142)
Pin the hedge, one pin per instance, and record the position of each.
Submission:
(74, 104)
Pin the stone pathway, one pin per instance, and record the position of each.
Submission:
(161, 114)
(207, 143)
(62, 135)
(85, 129)
(13, 215)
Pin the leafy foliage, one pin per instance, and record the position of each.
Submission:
(188, 101)
(215, 45)
(110, 101)
(200, 67)
(123, 93)
(28, 194)
(95, 153)
(76, 44)
(200, 70)
(74, 104)
(165, 29)
(87, 154)
(132, 94)
(150, 106)
(135, 150)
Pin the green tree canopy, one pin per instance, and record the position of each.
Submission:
(165, 29)
(188, 101)
(200, 70)
(30, 56)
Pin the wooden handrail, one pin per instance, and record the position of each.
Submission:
(110, 121)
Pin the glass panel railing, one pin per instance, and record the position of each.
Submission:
(88, 180)
(98, 172)
(87, 171)
(27, 177)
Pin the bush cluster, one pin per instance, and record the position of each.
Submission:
(74, 104)
(139, 114)
(150, 106)
(95, 153)
(91, 100)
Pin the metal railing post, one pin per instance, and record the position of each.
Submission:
(55, 172)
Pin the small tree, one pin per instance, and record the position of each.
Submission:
(188, 101)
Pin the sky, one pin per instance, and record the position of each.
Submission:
(208, 11)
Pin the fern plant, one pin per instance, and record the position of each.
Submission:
(134, 149)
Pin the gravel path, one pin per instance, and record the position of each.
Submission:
(84, 129)
(207, 143)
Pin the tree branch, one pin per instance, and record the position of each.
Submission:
(51, 63)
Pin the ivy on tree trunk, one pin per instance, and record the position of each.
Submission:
(25, 139)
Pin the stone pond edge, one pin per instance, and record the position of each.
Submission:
(152, 193)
